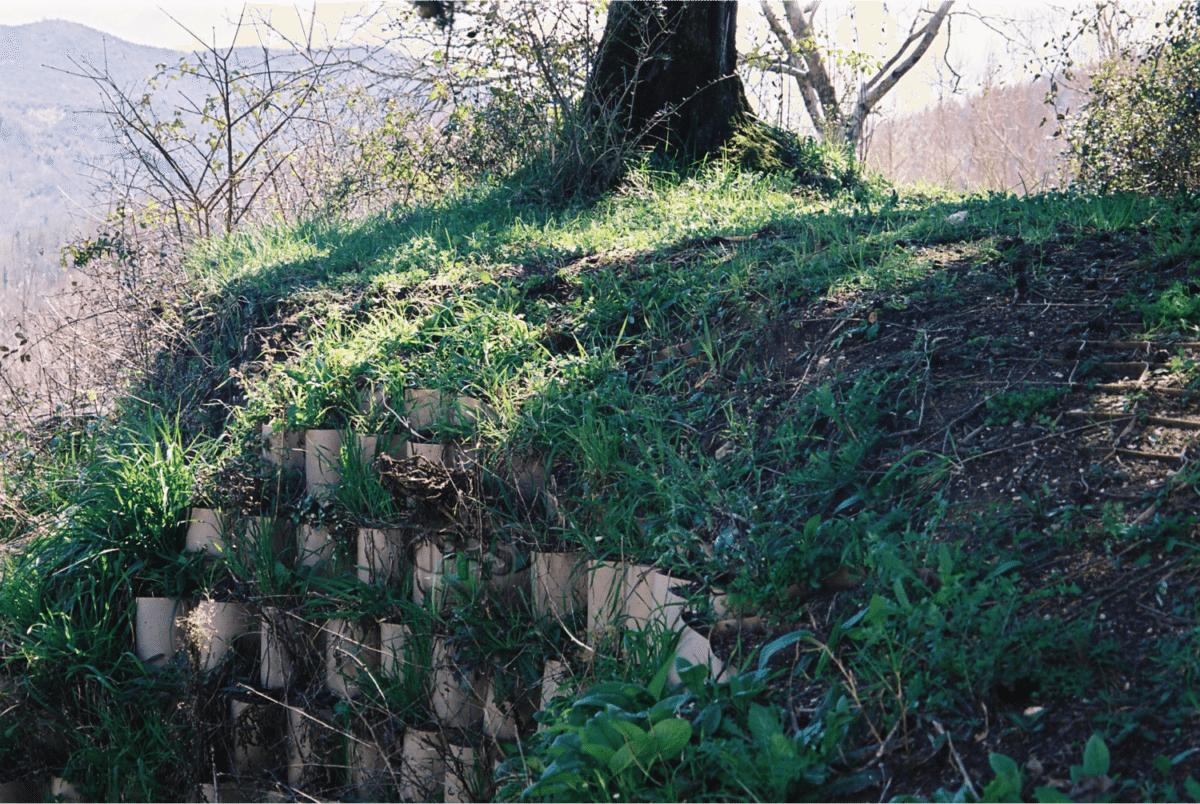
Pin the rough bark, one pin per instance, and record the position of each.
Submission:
(665, 75)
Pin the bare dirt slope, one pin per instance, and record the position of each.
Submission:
(1057, 417)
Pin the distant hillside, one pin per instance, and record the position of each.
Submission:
(47, 132)
(990, 140)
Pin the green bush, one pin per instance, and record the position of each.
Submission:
(1140, 130)
(699, 740)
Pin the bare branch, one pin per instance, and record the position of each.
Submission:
(800, 74)
(878, 86)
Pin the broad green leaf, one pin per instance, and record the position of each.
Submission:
(627, 729)
(811, 527)
(567, 742)
(945, 561)
(774, 647)
(564, 766)
(617, 688)
(667, 707)
(1095, 757)
(602, 733)
(604, 700)
(691, 675)
(665, 741)
(782, 748)
(835, 635)
(763, 723)
(1049, 795)
(886, 559)
(709, 720)
(601, 752)
(660, 678)
(853, 499)
(549, 789)
(1003, 568)
(879, 610)
(1004, 788)
(1002, 765)
(673, 736)
(642, 750)
(550, 792)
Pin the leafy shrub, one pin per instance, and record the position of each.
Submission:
(1089, 781)
(829, 167)
(699, 740)
(1141, 129)
(1174, 307)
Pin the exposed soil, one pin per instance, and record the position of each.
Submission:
(1116, 443)
(1113, 444)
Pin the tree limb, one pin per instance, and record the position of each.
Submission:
(796, 68)
(806, 42)
(874, 90)
(877, 87)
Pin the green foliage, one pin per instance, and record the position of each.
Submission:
(143, 487)
(628, 349)
(1141, 127)
(827, 167)
(122, 532)
(360, 493)
(402, 157)
(1175, 308)
(65, 606)
(1005, 789)
(1009, 783)
(1022, 405)
(976, 603)
(703, 738)
(822, 506)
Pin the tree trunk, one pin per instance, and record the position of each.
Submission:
(665, 75)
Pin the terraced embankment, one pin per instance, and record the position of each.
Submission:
(940, 467)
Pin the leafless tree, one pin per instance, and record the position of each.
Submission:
(205, 153)
(797, 51)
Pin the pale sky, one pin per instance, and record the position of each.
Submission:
(879, 27)
(148, 23)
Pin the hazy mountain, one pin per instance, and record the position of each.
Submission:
(51, 131)
(48, 130)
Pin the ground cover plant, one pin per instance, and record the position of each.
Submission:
(937, 450)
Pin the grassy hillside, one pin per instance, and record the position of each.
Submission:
(936, 449)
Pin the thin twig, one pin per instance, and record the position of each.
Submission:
(958, 763)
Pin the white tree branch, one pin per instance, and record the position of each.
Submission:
(789, 47)
(877, 87)
(818, 77)
(800, 74)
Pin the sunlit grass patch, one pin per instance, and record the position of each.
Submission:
(671, 359)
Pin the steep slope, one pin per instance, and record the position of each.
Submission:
(934, 451)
